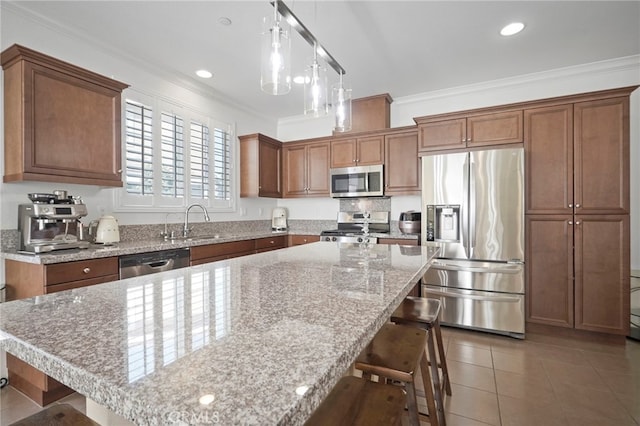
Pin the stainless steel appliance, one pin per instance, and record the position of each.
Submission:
(410, 222)
(135, 265)
(279, 219)
(358, 181)
(51, 223)
(475, 214)
(351, 227)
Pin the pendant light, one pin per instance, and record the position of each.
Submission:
(341, 101)
(275, 77)
(315, 88)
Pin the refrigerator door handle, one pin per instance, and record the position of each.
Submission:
(502, 269)
(500, 298)
(472, 207)
(464, 220)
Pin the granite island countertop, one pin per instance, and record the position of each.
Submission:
(266, 336)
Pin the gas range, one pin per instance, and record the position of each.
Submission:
(350, 227)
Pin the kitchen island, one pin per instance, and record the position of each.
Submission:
(258, 339)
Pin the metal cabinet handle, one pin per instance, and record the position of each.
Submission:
(570, 206)
(86, 270)
(577, 206)
(272, 242)
(570, 222)
(577, 222)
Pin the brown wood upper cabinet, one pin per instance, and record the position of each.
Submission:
(363, 151)
(260, 166)
(62, 122)
(306, 169)
(402, 167)
(577, 158)
(467, 130)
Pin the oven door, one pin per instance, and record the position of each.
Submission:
(501, 313)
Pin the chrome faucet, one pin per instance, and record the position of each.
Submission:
(185, 228)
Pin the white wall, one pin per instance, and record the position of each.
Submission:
(58, 42)
(621, 72)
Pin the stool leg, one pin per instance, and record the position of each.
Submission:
(443, 360)
(428, 391)
(435, 375)
(412, 403)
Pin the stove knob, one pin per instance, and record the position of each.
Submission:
(359, 239)
(334, 239)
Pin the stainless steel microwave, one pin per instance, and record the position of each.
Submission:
(359, 181)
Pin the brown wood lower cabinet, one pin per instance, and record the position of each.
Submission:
(399, 241)
(578, 272)
(221, 251)
(296, 240)
(29, 280)
(271, 243)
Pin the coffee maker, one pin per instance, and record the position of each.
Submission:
(51, 222)
(279, 219)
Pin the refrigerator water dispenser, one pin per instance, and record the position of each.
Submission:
(443, 223)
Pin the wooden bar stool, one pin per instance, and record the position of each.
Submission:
(424, 313)
(395, 353)
(357, 402)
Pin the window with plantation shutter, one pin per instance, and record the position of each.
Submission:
(221, 165)
(138, 148)
(174, 157)
(199, 153)
(172, 152)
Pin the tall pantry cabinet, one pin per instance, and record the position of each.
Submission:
(577, 212)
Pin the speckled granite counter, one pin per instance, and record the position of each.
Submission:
(266, 335)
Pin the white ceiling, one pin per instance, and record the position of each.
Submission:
(396, 47)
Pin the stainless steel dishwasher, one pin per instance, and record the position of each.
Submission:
(135, 265)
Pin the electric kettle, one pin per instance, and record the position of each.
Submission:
(106, 230)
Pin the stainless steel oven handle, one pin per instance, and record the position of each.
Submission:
(431, 292)
(159, 264)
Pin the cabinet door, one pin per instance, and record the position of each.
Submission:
(402, 165)
(494, 129)
(549, 269)
(548, 144)
(343, 153)
(269, 170)
(602, 156)
(370, 150)
(318, 155)
(295, 174)
(445, 134)
(71, 130)
(602, 273)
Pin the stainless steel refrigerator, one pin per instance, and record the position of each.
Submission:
(474, 212)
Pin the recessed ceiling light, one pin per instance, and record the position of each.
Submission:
(512, 28)
(204, 74)
(223, 20)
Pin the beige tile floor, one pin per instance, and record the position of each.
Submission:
(503, 381)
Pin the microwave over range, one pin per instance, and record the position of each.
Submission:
(358, 181)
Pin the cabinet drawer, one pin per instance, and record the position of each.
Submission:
(82, 283)
(271, 242)
(80, 270)
(296, 240)
(222, 249)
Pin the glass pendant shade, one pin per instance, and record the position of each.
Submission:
(275, 76)
(341, 101)
(315, 90)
